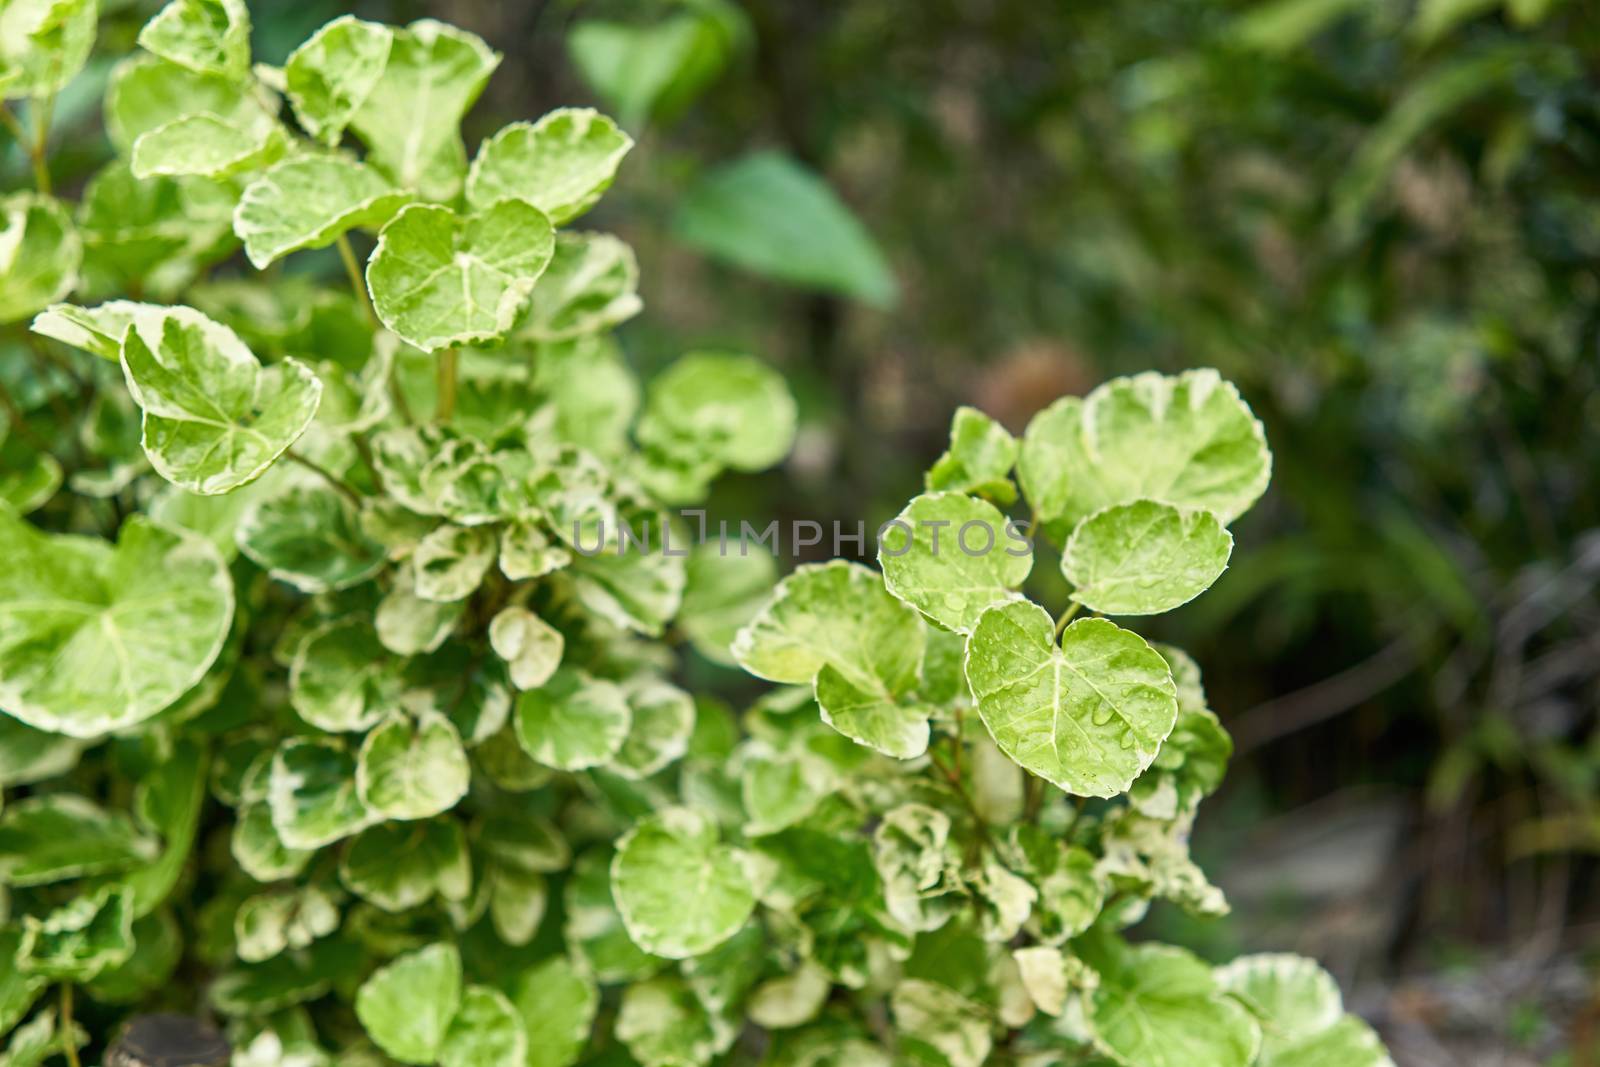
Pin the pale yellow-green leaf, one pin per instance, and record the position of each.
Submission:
(1088, 714)
(331, 75)
(679, 891)
(95, 637)
(412, 771)
(1188, 440)
(440, 280)
(410, 118)
(560, 164)
(948, 555)
(214, 418)
(209, 36)
(406, 1006)
(1144, 557)
(310, 202)
(40, 252)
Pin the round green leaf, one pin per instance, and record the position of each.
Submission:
(412, 772)
(591, 285)
(1088, 715)
(410, 118)
(834, 624)
(1158, 1006)
(95, 638)
(451, 562)
(1301, 1013)
(979, 459)
(1144, 558)
(560, 164)
(557, 1003)
(663, 719)
(729, 408)
(530, 646)
(486, 1032)
(1188, 441)
(313, 795)
(573, 721)
(342, 678)
(594, 930)
(147, 92)
(679, 892)
(309, 202)
(310, 537)
(948, 555)
(214, 418)
(440, 280)
(397, 867)
(207, 145)
(407, 1006)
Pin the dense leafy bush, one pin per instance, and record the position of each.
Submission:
(338, 630)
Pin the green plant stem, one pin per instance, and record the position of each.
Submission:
(43, 111)
(1066, 617)
(328, 476)
(364, 450)
(13, 125)
(352, 268)
(1033, 792)
(69, 1048)
(447, 385)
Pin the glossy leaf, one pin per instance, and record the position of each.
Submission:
(950, 556)
(1144, 558)
(1088, 714)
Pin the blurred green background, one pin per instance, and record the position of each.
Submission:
(1381, 218)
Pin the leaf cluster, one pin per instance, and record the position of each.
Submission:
(340, 633)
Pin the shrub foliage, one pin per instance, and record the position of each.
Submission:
(339, 628)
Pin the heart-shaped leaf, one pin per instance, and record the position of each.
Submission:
(573, 721)
(664, 852)
(411, 771)
(407, 1006)
(834, 624)
(410, 118)
(1088, 715)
